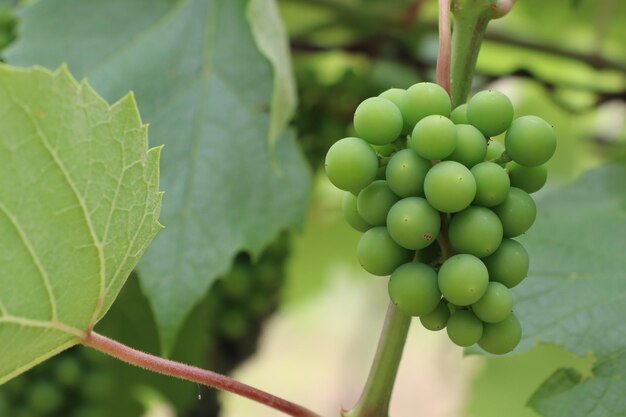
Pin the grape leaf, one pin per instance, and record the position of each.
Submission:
(206, 90)
(576, 293)
(79, 203)
(271, 37)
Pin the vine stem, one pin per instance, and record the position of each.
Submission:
(192, 373)
(376, 396)
(445, 46)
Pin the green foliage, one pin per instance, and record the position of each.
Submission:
(79, 204)
(591, 277)
(206, 89)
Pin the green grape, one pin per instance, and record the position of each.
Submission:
(44, 397)
(463, 279)
(378, 121)
(351, 215)
(530, 141)
(234, 323)
(260, 304)
(509, 264)
(492, 184)
(475, 230)
(98, 385)
(413, 223)
(494, 150)
(374, 202)
(449, 187)
(517, 212)
(459, 115)
(237, 284)
(471, 146)
(438, 318)
(351, 164)
(413, 288)
(464, 328)
(425, 99)
(397, 96)
(490, 111)
(495, 305)
(529, 179)
(434, 137)
(406, 172)
(500, 338)
(378, 254)
(67, 371)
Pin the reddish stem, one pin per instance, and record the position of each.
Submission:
(192, 373)
(445, 46)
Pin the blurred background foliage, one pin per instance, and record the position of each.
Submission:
(563, 59)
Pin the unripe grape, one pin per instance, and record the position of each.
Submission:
(490, 111)
(351, 164)
(234, 324)
(67, 371)
(494, 150)
(374, 201)
(438, 318)
(406, 172)
(413, 223)
(509, 264)
(434, 137)
(378, 254)
(398, 97)
(378, 121)
(529, 179)
(500, 338)
(475, 230)
(413, 289)
(449, 187)
(463, 279)
(459, 115)
(471, 146)
(495, 305)
(492, 184)
(530, 141)
(424, 99)
(464, 328)
(351, 215)
(517, 212)
(44, 398)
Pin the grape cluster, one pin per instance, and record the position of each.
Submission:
(70, 385)
(439, 202)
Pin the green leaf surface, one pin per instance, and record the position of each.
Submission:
(271, 37)
(79, 203)
(206, 90)
(576, 293)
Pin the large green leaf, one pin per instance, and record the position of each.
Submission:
(205, 88)
(79, 203)
(576, 294)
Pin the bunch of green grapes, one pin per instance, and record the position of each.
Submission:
(439, 204)
(71, 385)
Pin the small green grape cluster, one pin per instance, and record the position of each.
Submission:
(419, 173)
(69, 385)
